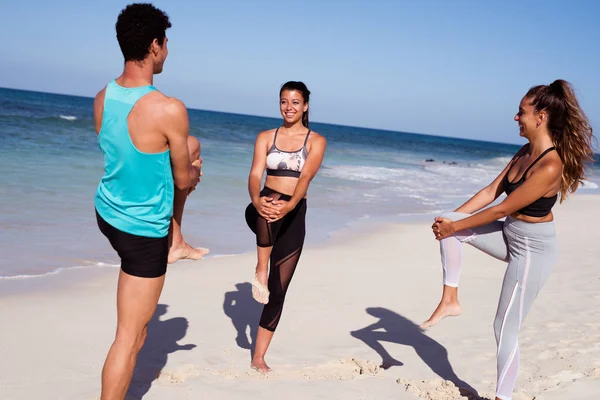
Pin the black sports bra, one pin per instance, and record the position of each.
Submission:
(542, 206)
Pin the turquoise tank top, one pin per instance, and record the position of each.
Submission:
(135, 195)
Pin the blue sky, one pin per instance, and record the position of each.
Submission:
(452, 68)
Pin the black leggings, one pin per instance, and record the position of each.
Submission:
(287, 238)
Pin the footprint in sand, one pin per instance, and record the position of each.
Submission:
(438, 389)
(343, 369)
(593, 373)
(542, 383)
(547, 355)
(566, 376)
(179, 375)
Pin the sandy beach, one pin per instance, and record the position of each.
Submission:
(354, 303)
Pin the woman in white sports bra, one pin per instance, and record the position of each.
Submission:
(291, 155)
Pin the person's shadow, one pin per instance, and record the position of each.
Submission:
(244, 312)
(395, 328)
(162, 339)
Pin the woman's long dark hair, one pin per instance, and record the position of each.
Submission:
(569, 128)
(300, 87)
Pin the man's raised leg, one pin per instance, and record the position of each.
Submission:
(179, 249)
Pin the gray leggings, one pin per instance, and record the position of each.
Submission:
(530, 250)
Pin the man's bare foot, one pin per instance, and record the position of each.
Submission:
(185, 252)
(443, 310)
(260, 290)
(260, 365)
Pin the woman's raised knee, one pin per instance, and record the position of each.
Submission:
(277, 297)
(454, 216)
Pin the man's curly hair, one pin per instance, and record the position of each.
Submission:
(137, 26)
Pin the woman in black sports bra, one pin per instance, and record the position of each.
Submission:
(552, 164)
(292, 155)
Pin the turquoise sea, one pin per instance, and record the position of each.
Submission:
(50, 165)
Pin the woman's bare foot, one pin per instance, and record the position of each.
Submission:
(260, 290)
(446, 308)
(259, 364)
(185, 252)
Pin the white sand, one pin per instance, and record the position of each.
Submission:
(53, 339)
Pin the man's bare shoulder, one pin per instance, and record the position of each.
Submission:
(99, 99)
(99, 109)
(164, 107)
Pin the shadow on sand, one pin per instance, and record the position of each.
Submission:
(161, 341)
(244, 312)
(395, 328)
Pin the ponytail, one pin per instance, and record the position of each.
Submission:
(305, 118)
(570, 131)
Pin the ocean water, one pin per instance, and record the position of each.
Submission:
(50, 165)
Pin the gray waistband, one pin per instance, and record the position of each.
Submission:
(529, 228)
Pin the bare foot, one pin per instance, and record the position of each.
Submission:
(443, 310)
(260, 365)
(185, 252)
(260, 290)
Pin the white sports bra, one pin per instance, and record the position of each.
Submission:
(286, 163)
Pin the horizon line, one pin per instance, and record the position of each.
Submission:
(263, 116)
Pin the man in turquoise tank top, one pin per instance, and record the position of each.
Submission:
(151, 165)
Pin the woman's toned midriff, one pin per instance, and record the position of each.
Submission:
(282, 184)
